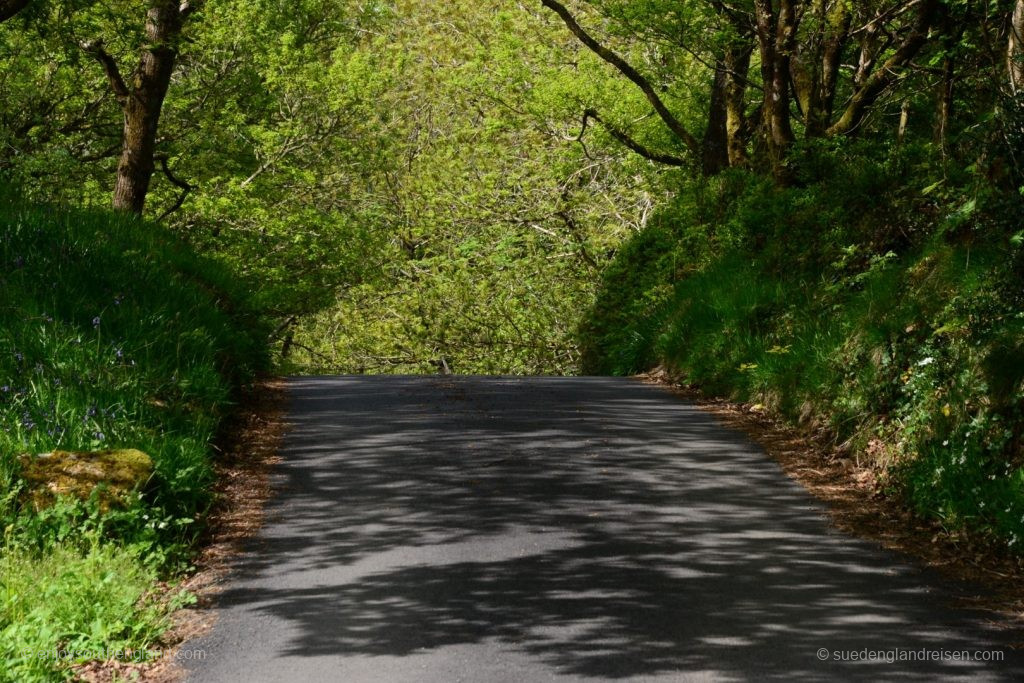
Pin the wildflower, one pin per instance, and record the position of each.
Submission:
(96, 321)
(118, 299)
(5, 389)
(99, 436)
(925, 361)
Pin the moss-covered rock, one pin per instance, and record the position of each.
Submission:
(116, 473)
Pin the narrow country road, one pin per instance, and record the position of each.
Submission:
(499, 529)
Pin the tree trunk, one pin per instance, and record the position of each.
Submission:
(1015, 53)
(142, 100)
(944, 110)
(142, 108)
(776, 37)
(725, 142)
(715, 145)
(901, 132)
(952, 31)
(870, 46)
(738, 64)
(827, 59)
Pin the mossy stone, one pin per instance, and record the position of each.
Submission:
(117, 473)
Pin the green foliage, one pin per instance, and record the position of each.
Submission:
(906, 340)
(112, 334)
(73, 605)
(399, 176)
(413, 187)
(495, 225)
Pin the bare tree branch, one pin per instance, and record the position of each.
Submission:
(113, 73)
(186, 188)
(629, 142)
(889, 72)
(629, 72)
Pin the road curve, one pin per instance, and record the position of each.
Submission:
(566, 529)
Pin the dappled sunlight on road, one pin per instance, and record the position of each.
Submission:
(432, 528)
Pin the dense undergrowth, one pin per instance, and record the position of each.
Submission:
(112, 335)
(891, 313)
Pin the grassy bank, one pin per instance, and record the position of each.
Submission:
(112, 335)
(893, 315)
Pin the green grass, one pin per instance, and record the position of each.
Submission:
(70, 604)
(112, 334)
(905, 338)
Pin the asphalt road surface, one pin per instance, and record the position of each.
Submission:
(534, 529)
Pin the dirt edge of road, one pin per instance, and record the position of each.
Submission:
(979, 574)
(247, 450)
(982, 576)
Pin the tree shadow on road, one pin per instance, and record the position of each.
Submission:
(602, 526)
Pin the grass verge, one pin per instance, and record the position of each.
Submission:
(891, 316)
(112, 335)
